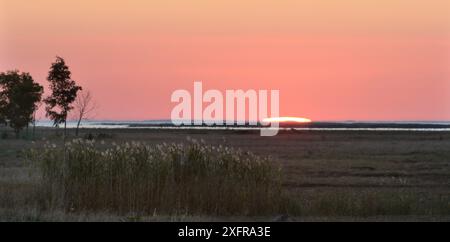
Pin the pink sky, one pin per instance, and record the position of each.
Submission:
(331, 60)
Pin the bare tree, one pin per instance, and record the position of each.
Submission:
(84, 107)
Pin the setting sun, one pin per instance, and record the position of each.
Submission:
(287, 120)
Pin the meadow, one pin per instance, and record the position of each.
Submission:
(207, 175)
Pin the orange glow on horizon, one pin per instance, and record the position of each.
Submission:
(286, 120)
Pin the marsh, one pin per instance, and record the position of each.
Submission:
(328, 175)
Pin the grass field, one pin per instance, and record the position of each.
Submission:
(327, 175)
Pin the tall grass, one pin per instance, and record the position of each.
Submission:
(191, 178)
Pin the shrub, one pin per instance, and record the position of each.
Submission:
(191, 178)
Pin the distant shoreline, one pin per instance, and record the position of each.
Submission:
(345, 126)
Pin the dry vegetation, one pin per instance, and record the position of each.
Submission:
(192, 179)
(325, 175)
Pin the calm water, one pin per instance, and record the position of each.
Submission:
(439, 126)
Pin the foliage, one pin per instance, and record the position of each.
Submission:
(64, 92)
(19, 95)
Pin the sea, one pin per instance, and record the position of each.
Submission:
(418, 126)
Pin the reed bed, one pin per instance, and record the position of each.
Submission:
(188, 178)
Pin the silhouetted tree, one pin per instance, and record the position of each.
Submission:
(64, 92)
(84, 107)
(19, 96)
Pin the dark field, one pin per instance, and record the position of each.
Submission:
(328, 175)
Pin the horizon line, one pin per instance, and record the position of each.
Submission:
(313, 121)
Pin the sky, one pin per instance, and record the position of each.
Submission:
(331, 60)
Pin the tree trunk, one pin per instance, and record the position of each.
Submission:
(34, 129)
(78, 126)
(34, 124)
(64, 143)
(65, 133)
